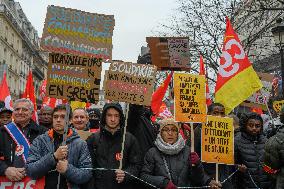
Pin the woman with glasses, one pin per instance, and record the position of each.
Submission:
(170, 164)
(249, 152)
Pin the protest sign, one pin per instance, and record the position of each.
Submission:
(76, 78)
(190, 98)
(169, 52)
(132, 83)
(77, 32)
(277, 105)
(84, 134)
(218, 140)
(26, 183)
(261, 97)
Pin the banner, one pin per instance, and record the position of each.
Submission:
(26, 183)
(277, 105)
(190, 98)
(132, 83)
(75, 78)
(169, 52)
(218, 140)
(77, 32)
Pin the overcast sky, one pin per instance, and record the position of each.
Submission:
(134, 19)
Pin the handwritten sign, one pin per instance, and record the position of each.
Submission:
(277, 105)
(77, 32)
(218, 140)
(169, 52)
(190, 98)
(76, 78)
(262, 96)
(132, 83)
(26, 183)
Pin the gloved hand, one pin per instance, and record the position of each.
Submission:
(171, 186)
(194, 158)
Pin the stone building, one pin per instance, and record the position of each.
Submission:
(20, 49)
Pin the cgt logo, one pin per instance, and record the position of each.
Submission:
(118, 156)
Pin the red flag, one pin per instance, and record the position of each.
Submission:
(5, 93)
(158, 95)
(29, 93)
(236, 79)
(202, 72)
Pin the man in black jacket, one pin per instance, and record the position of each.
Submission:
(12, 162)
(105, 149)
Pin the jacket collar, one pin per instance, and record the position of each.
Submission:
(250, 137)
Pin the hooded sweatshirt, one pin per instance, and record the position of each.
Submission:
(105, 149)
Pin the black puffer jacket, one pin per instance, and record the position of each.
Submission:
(183, 174)
(274, 156)
(8, 146)
(249, 150)
(105, 148)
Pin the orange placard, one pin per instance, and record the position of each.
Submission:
(218, 140)
(277, 105)
(26, 183)
(190, 98)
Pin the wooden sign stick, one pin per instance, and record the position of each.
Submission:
(217, 172)
(123, 138)
(191, 138)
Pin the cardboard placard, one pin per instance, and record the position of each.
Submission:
(169, 52)
(190, 98)
(26, 183)
(277, 105)
(132, 83)
(218, 140)
(76, 78)
(77, 32)
(84, 134)
(261, 97)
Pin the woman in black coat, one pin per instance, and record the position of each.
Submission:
(249, 151)
(169, 164)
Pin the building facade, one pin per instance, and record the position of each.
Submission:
(20, 49)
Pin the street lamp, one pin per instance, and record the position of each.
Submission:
(278, 33)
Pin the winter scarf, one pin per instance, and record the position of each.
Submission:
(170, 149)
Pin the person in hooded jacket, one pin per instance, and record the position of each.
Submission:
(49, 158)
(105, 148)
(170, 164)
(274, 154)
(249, 153)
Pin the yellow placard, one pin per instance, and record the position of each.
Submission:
(217, 144)
(190, 98)
(277, 105)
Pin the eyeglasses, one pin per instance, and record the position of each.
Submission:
(170, 130)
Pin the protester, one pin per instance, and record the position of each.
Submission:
(49, 157)
(13, 153)
(105, 148)
(5, 116)
(249, 151)
(45, 117)
(274, 155)
(170, 164)
(94, 119)
(214, 109)
(139, 124)
(80, 119)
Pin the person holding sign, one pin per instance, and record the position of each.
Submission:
(249, 153)
(105, 148)
(47, 157)
(15, 139)
(169, 164)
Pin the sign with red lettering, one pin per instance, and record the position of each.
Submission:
(132, 83)
(26, 183)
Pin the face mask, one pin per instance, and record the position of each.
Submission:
(94, 123)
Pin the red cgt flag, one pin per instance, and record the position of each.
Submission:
(5, 93)
(158, 95)
(29, 93)
(202, 72)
